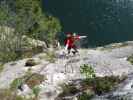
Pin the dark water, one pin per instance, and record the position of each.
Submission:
(103, 21)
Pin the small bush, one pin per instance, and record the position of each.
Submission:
(36, 91)
(130, 59)
(71, 90)
(8, 56)
(104, 85)
(31, 79)
(85, 96)
(91, 87)
(87, 70)
(100, 85)
(16, 83)
(7, 94)
(68, 89)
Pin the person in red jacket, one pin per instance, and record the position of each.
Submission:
(70, 42)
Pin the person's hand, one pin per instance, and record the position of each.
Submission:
(81, 37)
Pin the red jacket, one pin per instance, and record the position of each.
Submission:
(71, 40)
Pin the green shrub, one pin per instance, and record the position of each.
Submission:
(71, 90)
(101, 85)
(8, 94)
(87, 70)
(85, 96)
(68, 89)
(106, 84)
(92, 85)
(130, 59)
(36, 91)
(31, 79)
(16, 83)
(8, 56)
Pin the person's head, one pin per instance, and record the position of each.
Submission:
(69, 34)
(74, 34)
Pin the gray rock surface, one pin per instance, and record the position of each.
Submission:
(106, 62)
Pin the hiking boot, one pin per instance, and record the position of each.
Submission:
(74, 52)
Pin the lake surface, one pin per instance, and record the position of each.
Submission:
(103, 21)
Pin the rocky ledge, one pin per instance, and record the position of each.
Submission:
(110, 60)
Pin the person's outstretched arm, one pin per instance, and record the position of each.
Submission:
(81, 37)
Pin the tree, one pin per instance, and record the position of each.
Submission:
(37, 23)
(24, 17)
(30, 19)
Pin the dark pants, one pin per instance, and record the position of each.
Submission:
(74, 48)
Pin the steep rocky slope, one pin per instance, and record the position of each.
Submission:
(106, 61)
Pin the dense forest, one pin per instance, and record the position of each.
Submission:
(20, 18)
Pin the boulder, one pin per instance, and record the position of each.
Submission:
(30, 62)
